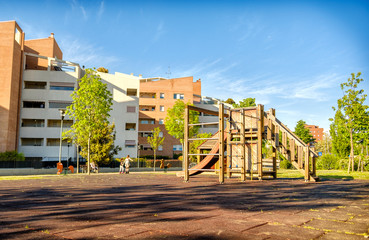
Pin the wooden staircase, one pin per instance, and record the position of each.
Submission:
(301, 156)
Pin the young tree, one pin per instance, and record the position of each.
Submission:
(174, 122)
(303, 133)
(340, 135)
(155, 141)
(354, 111)
(230, 101)
(90, 111)
(247, 102)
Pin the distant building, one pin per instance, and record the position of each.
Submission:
(316, 131)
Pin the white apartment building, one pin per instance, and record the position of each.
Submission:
(125, 89)
(44, 92)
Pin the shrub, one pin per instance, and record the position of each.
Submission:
(327, 162)
(11, 156)
(285, 164)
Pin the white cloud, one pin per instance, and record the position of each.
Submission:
(101, 10)
(159, 31)
(84, 14)
(85, 53)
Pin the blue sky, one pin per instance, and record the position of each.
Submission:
(289, 55)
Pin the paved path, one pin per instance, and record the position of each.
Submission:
(159, 206)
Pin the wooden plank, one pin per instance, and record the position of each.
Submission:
(185, 145)
(274, 157)
(292, 149)
(313, 163)
(300, 157)
(221, 143)
(260, 140)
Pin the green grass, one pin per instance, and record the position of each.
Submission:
(327, 174)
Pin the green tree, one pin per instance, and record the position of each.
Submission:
(340, 135)
(174, 121)
(247, 102)
(303, 133)
(324, 145)
(354, 111)
(230, 101)
(90, 111)
(155, 141)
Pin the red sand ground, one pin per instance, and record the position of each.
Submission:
(159, 206)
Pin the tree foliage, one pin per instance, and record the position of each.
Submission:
(303, 132)
(11, 156)
(90, 111)
(103, 70)
(155, 141)
(340, 136)
(352, 114)
(230, 101)
(247, 102)
(174, 121)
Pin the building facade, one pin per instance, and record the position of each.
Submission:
(316, 131)
(157, 95)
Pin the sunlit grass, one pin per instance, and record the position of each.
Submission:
(327, 174)
(20, 177)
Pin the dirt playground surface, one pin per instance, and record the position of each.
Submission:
(161, 206)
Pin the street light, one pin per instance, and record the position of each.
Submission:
(62, 115)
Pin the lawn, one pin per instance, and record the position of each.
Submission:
(330, 174)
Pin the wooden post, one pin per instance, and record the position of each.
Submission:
(313, 162)
(292, 149)
(229, 147)
(299, 156)
(307, 178)
(273, 130)
(185, 144)
(221, 143)
(243, 146)
(260, 140)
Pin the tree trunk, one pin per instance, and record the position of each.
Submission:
(351, 159)
(154, 159)
(88, 156)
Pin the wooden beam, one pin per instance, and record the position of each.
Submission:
(274, 148)
(207, 111)
(185, 144)
(292, 149)
(221, 143)
(300, 156)
(307, 171)
(313, 162)
(243, 146)
(260, 140)
(229, 147)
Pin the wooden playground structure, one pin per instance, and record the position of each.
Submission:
(237, 146)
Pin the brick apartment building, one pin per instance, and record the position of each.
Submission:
(316, 131)
(157, 95)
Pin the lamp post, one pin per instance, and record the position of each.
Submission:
(62, 115)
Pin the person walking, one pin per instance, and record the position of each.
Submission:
(127, 164)
(121, 167)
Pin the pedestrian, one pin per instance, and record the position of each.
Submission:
(127, 164)
(121, 167)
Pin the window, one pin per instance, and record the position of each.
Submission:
(160, 134)
(31, 104)
(160, 148)
(177, 147)
(161, 108)
(161, 121)
(33, 122)
(130, 143)
(130, 126)
(178, 96)
(147, 121)
(145, 134)
(131, 109)
(162, 95)
(32, 141)
(131, 92)
(62, 86)
(57, 123)
(53, 142)
(59, 104)
(34, 85)
(146, 147)
(147, 108)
